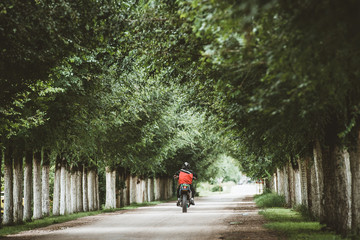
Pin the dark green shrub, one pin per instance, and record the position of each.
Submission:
(217, 189)
(269, 200)
(304, 212)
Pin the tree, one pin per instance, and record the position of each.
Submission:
(281, 78)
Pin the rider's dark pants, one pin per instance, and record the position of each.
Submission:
(191, 188)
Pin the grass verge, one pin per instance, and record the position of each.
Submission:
(269, 199)
(289, 223)
(292, 225)
(6, 230)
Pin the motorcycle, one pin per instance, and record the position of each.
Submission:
(185, 195)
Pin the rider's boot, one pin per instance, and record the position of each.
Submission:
(178, 202)
(192, 201)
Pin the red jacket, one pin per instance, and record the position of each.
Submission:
(185, 177)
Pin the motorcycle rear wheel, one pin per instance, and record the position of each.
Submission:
(184, 203)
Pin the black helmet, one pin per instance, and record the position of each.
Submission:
(186, 165)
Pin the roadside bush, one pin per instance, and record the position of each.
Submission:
(217, 189)
(270, 200)
(304, 212)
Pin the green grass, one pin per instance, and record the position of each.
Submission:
(268, 200)
(293, 225)
(6, 230)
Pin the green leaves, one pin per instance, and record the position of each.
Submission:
(137, 83)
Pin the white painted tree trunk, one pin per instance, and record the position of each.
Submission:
(63, 190)
(280, 182)
(342, 198)
(348, 186)
(97, 196)
(85, 190)
(2, 157)
(132, 189)
(303, 181)
(91, 190)
(110, 201)
(28, 186)
(79, 195)
(150, 191)
(286, 184)
(56, 194)
(17, 189)
(138, 190)
(8, 187)
(297, 185)
(157, 189)
(37, 214)
(68, 192)
(145, 189)
(45, 185)
(319, 180)
(73, 191)
(355, 190)
(8, 191)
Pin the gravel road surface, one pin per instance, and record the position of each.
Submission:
(224, 216)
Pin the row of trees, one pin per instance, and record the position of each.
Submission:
(283, 78)
(82, 94)
(286, 78)
(146, 85)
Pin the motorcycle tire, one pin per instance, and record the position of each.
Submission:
(184, 203)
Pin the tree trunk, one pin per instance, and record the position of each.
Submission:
(336, 201)
(73, 190)
(45, 184)
(318, 194)
(79, 196)
(355, 183)
(63, 188)
(8, 187)
(287, 191)
(148, 189)
(127, 190)
(110, 188)
(1, 162)
(91, 189)
(303, 181)
(85, 190)
(56, 194)
(280, 182)
(28, 185)
(309, 175)
(145, 189)
(347, 185)
(17, 188)
(157, 189)
(68, 192)
(37, 214)
(120, 189)
(132, 188)
(335, 205)
(97, 197)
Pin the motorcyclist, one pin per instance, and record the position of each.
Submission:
(185, 175)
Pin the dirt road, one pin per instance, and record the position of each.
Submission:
(225, 216)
